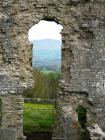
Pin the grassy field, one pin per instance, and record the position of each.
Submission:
(38, 117)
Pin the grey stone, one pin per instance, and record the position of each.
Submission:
(83, 59)
(8, 134)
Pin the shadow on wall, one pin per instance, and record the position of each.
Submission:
(39, 136)
(0, 111)
(82, 116)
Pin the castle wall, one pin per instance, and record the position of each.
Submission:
(83, 62)
(12, 113)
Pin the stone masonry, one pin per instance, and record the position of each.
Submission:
(83, 61)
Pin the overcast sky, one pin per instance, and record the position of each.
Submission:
(45, 30)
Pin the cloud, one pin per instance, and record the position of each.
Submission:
(45, 30)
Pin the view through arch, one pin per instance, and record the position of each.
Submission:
(46, 62)
(46, 40)
(46, 58)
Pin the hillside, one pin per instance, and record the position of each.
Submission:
(47, 54)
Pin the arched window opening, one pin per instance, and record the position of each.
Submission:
(82, 119)
(82, 116)
(46, 58)
(46, 62)
(46, 39)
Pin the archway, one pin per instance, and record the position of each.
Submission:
(83, 51)
(46, 62)
(45, 36)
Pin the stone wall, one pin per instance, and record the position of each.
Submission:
(12, 116)
(8, 134)
(12, 113)
(83, 51)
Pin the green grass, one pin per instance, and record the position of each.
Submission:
(38, 117)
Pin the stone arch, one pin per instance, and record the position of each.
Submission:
(82, 116)
(49, 36)
(46, 18)
(64, 68)
(82, 50)
(25, 40)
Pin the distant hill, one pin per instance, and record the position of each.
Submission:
(47, 54)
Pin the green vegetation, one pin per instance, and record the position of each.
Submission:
(82, 112)
(38, 117)
(38, 106)
(46, 84)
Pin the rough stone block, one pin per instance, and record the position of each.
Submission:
(8, 134)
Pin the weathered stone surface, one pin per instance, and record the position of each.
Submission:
(12, 113)
(8, 134)
(83, 54)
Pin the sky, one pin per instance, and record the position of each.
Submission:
(45, 30)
